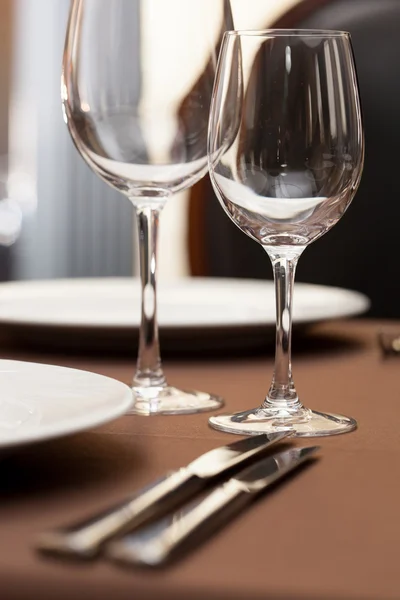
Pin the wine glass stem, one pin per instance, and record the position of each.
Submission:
(282, 395)
(149, 371)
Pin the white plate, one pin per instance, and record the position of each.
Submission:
(210, 310)
(39, 402)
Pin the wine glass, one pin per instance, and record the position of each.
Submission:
(136, 88)
(286, 151)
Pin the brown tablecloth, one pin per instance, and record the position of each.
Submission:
(331, 532)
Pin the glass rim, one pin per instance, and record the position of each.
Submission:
(325, 33)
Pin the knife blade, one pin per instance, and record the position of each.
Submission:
(162, 541)
(85, 539)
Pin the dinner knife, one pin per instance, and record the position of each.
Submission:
(84, 539)
(160, 542)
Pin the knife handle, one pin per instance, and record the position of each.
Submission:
(156, 544)
(84, 539)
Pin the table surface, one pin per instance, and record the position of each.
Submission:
(331, 532)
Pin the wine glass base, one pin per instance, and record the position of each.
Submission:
(169, 400)
(256, 421)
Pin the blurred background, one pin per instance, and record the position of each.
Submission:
(57, 219)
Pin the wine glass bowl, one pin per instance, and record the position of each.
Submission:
(286, 152)
(294, 159)
(136, 88)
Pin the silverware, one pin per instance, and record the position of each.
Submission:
(160, 542)
(389, 342)
(84, 539)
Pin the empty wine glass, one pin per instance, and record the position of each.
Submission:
(136, 88)
(286, 151)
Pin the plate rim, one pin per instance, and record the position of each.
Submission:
(361, 304)
(72, 427)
